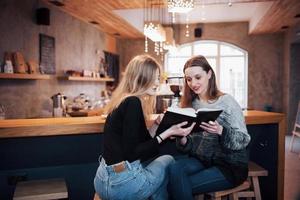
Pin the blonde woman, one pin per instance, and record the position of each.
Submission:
(125, 171)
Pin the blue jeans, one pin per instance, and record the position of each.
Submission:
(135, 182)
(188, 176)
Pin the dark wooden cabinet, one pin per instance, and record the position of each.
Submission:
(263, 150)
(73, 158)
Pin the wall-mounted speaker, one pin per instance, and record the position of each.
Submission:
(198, 32)
(43, 16)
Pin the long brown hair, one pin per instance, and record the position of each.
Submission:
(212, 91)
(139, 76)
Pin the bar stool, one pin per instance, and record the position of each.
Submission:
(41, 190)
(248, 189)
(233, 192)
(255, 171)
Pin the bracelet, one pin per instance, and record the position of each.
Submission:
(160, 138)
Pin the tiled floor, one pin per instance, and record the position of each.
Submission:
(292, 170)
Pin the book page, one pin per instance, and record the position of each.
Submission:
(207, 109)
(183, 111)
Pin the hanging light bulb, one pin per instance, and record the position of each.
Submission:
(146, 44)
(187, 31)
(156, 48)
(161, 47)
(162, 57)
(203, 12)
(173, 18)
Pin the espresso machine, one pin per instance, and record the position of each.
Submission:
(176, 85)
(59, 109)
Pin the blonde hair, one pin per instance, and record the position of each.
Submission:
(139, 76)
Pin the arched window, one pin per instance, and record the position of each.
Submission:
(229, 62)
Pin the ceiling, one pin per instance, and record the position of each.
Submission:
(125, 18)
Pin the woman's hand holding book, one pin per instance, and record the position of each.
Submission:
(212, 127)
(177, 130)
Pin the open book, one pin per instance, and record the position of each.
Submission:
(176, 115)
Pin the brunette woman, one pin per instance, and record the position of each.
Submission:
(217, 156)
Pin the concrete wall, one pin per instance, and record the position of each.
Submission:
(291, 75)
(76, 44)
(294, 81)
(265, 58)
(128, 48)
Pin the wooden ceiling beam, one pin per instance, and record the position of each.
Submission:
(282, 13)
(101, 11)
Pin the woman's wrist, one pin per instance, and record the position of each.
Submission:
(165, 134)
(159, 139)
(183, 141)
(220, 130)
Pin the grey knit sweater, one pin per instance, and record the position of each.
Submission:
(228, 151)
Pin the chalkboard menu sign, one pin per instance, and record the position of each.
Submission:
(47, 54)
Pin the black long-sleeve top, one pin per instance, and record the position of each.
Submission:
(126, 136)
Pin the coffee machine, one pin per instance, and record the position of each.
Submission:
(59, 109)
(176, 85)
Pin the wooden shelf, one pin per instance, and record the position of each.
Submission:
(79, 78)
(25, 76)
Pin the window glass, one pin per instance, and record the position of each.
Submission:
(231, 51)
(175, 65)
(213, 63)
(182, 51)
(206, 49)
(232, 79)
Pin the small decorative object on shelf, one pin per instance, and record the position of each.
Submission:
(73, 73)
(32, 67)
(19, 63)
(87, 73)
(8, 67)
(103, 68)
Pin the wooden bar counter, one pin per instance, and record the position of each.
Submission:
(95, 124)
(74, 144)
(50, 126)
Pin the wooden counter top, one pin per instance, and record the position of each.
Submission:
(95, 124)
(13, 123)
(262, 117)
(50, 126)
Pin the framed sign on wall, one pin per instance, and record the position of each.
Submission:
(47, 54)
